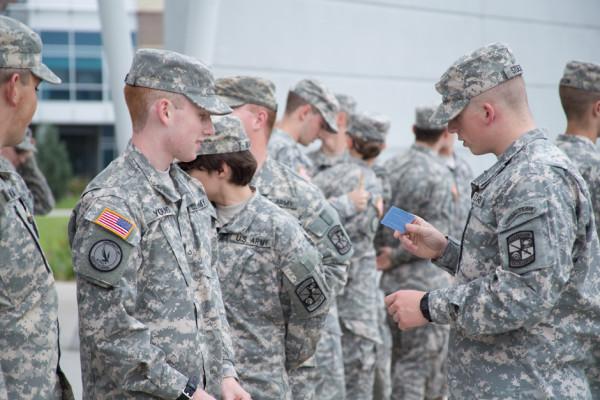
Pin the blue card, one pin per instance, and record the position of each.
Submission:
(396, 219)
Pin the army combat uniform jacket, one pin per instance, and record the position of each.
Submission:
(29, 351)
(149, 299)
(287, 151)
(358, 303)
(274, 294)
(586, 157)
(526, 308)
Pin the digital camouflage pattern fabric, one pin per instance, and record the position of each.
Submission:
(150, 307)
(584, 154)
(239, 90)
(358, 306)
(368, 126)
(177, 73)
(524, 311)
(229, 137)
(29, 351)
(284, 149)
(582, 75)
(422, 185)
(21, 48)
(320, 221)
(461, 192)
(423, 119)
(274, 293)
(465, 80)
(321, 161)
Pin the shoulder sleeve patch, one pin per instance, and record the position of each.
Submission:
(115, 222)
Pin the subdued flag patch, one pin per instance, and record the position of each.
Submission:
(115, 223)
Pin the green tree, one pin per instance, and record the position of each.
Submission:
(53, 160)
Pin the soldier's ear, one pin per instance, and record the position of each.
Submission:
(596, 109)
(11, 89)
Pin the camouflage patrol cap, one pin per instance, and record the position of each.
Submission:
(582, 75)
(347, 103)
(368, 126)
(239, 90)
(177, 73)
(423, 118)
(27, 142)
(21, 48)
(471, 75)
(229, 137)
(316, 94)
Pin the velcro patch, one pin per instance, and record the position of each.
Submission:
(310, 294)
(115, 222)
(105, 255)
(521, 249)
(340, 240)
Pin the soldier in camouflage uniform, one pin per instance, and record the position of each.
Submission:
(22, 157)
(524, 313)
(253, 101)
(358, 303)
(151, 317)
(421, 184)
(269, 271)
(580, 97)
(462, 175)
(579, 91)
(310, 109)
(29, 349)
(333, 145)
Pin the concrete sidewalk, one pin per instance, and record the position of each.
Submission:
(69, 338)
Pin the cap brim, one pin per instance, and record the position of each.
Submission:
(213, 104)
(45, 74)
(330, 120)
(447, 111)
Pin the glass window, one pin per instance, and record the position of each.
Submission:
(89, 95)
(58, 65)
(55, 94)
(88, 70)
(88, 38)
(54, 37)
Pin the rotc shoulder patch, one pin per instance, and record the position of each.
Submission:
(310, 294)
(339, 239)
(105, 255)
(521, 249)
(115, 222)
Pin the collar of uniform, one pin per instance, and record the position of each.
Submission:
(151, 173)
(283, 135)
(242, 220)
(429, 152)
(5, 166)
(573, 138)
(357, 161)
(264, 174)
(482, 180)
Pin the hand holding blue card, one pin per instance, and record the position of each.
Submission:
(396, 219)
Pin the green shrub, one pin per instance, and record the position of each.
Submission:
(53, 160)
(55, 242)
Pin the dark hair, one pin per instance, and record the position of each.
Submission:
(428, 135)
(242, 164)
(293, 102)
(576, 102)
(366, 148)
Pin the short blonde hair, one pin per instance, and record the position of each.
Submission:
(139, 100)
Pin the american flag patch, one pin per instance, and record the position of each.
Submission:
(115, 223)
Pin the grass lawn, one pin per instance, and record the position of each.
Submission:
(55, 242)
(68, 201)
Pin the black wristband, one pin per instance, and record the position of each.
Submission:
(424, 306)
(190, 388)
